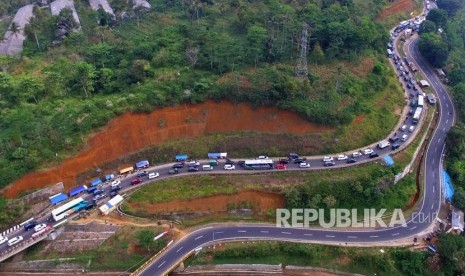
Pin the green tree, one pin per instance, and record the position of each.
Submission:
(438, 16)
(458, 200)
(428, 27)
(434, 49)
(145, 239)
(85, 75)
(330, 201)
(256, 36)
(451, 249)
(317, 55)
(451, 6)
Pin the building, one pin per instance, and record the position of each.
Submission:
(457, 220)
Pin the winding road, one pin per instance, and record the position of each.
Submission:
(419, 222)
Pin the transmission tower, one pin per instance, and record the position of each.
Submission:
(301, 70)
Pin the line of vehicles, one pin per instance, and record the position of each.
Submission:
(38, 230)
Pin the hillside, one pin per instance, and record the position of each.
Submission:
(73, 77)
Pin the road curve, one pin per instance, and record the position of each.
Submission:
(422, 220)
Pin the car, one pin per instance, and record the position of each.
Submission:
(351, 160)
(304, 165)
(412, 81)
(15, 240)
(241, 163)
(405, 78)
(329, 163)
(356, 154)
(3, 239)
(373, 155)
(283, 161)
(207, 168)
(293, 155)
(410, 111)
(415, 88)
(113, 194)
(263, 157)
(403, 128)
(230, 162)
(116, 188)
(411, 128)
(404, 138)
(98, 197)
(229, 167)
(39, 227)
(173, 171)
(192, 169)
(342, 157)
(30, 225)
(91, 190)
(300, 160)
(98, 192)
(393, 139)
(178, 166)
(115, 183)
(409, 86)
(153, 175)
(395, 146)
(194, 163)
(136, 180)
(411, 95)
(142, 174)
(327, 159)
(90, 206)
(367, 151)
(281, 166)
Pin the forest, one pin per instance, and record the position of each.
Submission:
(73, 79)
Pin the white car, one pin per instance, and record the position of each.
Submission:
(229, 167)
(263, 157)
(15, 240)
(115, 183)
(403, 128)
(153, 175)
(411, 128)
(342, 157)
(3, 239)
(356, 154)
(39, 227)
(404, 137)
(367, 151)
(327, 159)
(304, 165)
(194, 163)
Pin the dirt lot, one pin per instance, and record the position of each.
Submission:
(398, 6)
(261, 201)
(132, 132)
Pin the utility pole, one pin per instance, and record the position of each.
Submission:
(302, 70)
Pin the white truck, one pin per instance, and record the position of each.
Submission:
(383, 144)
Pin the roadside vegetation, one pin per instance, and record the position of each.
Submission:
(62, 90)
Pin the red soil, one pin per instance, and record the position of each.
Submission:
(358, 119)
(262, 201)
(397, 7)
(133, 132)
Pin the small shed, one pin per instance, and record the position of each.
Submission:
(181, 157)
(457, 220)
(55, 199)
(388, 160)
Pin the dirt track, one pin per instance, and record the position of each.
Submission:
(132, 132)
(397, 7)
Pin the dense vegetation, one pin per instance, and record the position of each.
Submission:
(67, 83)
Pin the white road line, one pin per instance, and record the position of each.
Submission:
(413, 227)
(219, 232)
(241, 231)
(287, 233)
(179, 249)
(395, 234)
(352, 237)
(264, 232)
(308, 235)
(447, 121)
(198, 237)
(444, 129)
(447, 105)
(374, 236)
(439, 139)
(436, 149)
(162, 264)
(432, 206)
(434, 189)
(330, 236)
(433, 161)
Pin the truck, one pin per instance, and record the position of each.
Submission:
(111, 205)
(383, 144)
(417, 115)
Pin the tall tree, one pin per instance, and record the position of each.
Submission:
(256, 36)
(85, 75)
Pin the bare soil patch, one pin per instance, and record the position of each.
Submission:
(399, 6)
(133, 132)
(259, 201)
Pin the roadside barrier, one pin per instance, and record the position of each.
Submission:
(149, 261)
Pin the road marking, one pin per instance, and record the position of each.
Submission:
(198, 237)
(287, 233)
(413, 227)
(352, 237)
(220, 232)
(444, 129)
(447, 121)
(432, 206)
(308, 235)
(162, 264)
(434, 189)
(179, 249)
(433, 161)
(241, 231)
(374, 236)
(263, 231)
(439, 139)
(436, 149)
(395, 234)
(447, 105)
(330, 236)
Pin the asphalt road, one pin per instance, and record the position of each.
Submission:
(417, 223)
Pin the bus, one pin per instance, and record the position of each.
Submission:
(421, 100)
(258, 164)
(417, 115)
(69, 208)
